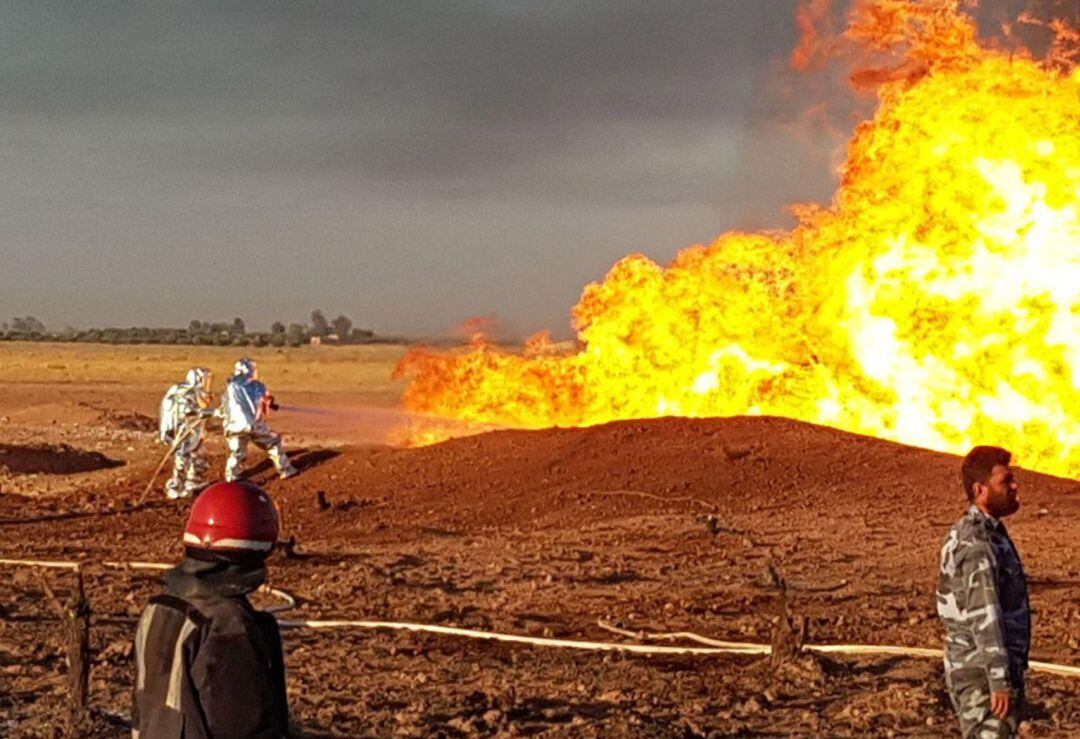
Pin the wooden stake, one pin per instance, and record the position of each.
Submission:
(75, 617)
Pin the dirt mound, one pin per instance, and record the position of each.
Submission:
(561, 477)
(52, 459)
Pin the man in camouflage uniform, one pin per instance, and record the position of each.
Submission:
(982, 598)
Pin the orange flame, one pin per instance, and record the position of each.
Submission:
(935, 302)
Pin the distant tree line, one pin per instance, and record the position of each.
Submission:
(201, 333)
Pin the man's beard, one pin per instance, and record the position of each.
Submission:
(1006, 506)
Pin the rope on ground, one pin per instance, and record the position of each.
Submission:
(288, 602)
(687, 635)
(850, 649)
(513, 638)
(715, 646)
(718, 646)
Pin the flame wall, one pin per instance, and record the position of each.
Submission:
(936, 302)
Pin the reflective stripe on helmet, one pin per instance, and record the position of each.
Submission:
(259, 546)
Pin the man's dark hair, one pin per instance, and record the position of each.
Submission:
(979, 464)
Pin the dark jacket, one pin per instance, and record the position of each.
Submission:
(207, 664)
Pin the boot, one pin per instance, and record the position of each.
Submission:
(176, 490)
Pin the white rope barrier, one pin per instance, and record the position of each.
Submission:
(687, 635)
(288, 601)
(854, 649)
(719, 647)
(714, 646)
(513, 638)
(50, 564)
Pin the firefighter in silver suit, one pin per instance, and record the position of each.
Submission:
(182, 417)
(244, 410)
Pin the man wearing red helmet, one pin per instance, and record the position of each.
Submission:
(207, 664)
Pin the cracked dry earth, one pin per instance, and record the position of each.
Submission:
(543, 533)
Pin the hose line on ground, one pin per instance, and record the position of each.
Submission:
(288, 602)
(712, 646)
(720, 647)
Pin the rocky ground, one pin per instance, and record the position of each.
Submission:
(543, 533)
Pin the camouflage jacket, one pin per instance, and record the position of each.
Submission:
(982, 598)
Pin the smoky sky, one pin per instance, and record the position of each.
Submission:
(409, 163)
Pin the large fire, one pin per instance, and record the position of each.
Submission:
(935, 302)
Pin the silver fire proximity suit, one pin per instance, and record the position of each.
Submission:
(244, 408)
(182, 415)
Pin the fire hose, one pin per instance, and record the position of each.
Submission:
(712, 646)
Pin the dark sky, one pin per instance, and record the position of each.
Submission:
(410, 163)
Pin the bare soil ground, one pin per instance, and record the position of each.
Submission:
(537, 533)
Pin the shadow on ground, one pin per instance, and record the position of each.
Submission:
(302, 459)
(53, 459)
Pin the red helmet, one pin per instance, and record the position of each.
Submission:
(232, 517)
